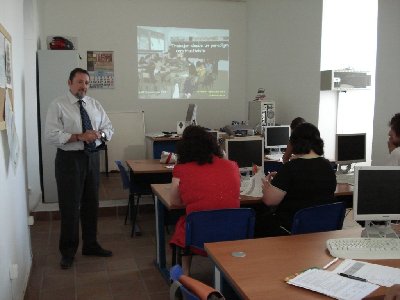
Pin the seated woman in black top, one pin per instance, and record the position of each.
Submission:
(305, 181)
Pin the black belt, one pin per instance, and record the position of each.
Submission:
(86, 151)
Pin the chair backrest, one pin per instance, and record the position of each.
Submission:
(319, 218)
(219, 225)
(124, 174)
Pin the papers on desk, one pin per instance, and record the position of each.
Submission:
(382, 275)
(364, 279)
(252, 185)
(155, 134)
(333, 285)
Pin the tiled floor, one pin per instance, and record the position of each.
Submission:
(129, 274)
(111, 187)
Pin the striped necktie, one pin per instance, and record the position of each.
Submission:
(86, 125)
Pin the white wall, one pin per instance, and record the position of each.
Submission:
(14, 232)
(30, 46)
(283, 40)
(348, 42)
(387, 97)
(111, 25)
(284, 43)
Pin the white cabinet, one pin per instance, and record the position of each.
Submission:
(54, 67)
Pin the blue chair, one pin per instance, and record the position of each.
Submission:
(176, 273)
(319, 218)
(135, 191)
(214, 226)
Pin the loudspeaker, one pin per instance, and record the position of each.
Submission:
(180, 126)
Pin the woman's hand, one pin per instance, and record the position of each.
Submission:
(271, 195)
(270, 176)
(266, 181)
(174, 192)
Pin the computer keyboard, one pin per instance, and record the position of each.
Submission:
(364, 248)
(274, 156)
(345, 178)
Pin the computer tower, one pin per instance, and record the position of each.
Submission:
(261, 113)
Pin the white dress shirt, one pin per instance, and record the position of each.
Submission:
(64, 119)
(394, 158)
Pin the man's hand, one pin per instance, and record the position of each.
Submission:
(89, 136)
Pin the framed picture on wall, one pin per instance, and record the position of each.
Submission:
(100, 65)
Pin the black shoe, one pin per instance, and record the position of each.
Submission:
(96, 251)
(66, 262)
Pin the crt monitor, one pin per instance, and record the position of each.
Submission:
(246, 151)
(377, 197)
(214, 134)
(277, 136)
(350, 148)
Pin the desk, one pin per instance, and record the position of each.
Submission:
(260, 274)
(147, 166)
(153, 166)
(143, 173)
(155, 145)
(163, 205)
(344, 189)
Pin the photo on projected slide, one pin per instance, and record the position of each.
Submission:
(182, 63)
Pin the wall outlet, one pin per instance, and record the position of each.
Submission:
(31, 220)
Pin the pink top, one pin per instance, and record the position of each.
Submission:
(205, 187)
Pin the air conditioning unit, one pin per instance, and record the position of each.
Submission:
(344, 80)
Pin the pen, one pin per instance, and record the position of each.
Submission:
(330, 263)
(353, 277)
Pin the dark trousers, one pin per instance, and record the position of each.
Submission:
(77, 176)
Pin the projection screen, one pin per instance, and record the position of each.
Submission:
(182, 63)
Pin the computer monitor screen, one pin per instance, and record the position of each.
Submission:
(246, 151)
(277, 136)
(376, 193)
(191, 114)
(350, 148)
(214, 134)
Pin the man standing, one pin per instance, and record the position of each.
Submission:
(77, 124)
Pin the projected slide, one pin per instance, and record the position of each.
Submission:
(182, 63)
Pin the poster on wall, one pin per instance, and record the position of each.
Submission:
(7, 110)
(12, 136)
(7, 50)
(2, 61)
(5, 73)
(100, 65)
